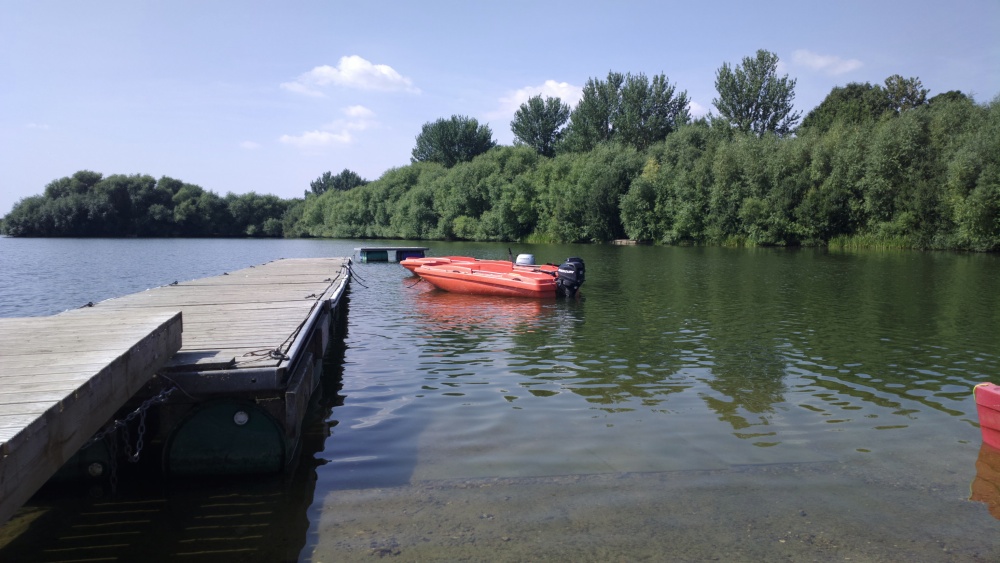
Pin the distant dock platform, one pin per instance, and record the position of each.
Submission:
(231, 360)
(382, 253)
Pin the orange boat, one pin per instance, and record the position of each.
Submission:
(988, 405)
(412, 264)
(523, 261)
(502, 278)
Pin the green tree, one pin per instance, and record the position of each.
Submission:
(950, 96)
(900, 199)
(668, 202)
(753, 98)
(649, 110)
(489, 198)
(855, 103)
(592, 122)
(638, 205)
(627, 108)
(539, 124)
(198, 212)
(256, 215)
(414, 216)
(831, 205)
(972, 178)
(904, 93)
(453, 140)
(579, 194)
(291, 222)
(346, 180)
(80, 183)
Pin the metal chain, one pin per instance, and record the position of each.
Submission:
(138, 443)
(125, 440)
(132, 454)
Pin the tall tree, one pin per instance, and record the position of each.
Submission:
(855, 103)
(753, 98)
(649, 110)
(539, 124)
(905, 93)
(346, 180)
(592, 122)
(80, 183)
(950, 96)
(627, 108)
(453, 140)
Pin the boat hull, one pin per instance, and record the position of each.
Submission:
(480, 279)
(988, 406)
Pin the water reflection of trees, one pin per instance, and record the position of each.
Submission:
(887, 335)
(759, 334)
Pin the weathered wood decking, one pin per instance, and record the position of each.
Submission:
(238, 319)
(262, 329)
(62, 378)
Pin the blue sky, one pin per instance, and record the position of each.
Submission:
(239, 96)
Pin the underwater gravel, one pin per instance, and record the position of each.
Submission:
(800, 512)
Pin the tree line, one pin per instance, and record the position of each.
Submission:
(872, 165)
(87, 204)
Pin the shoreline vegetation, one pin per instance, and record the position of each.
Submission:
(871, 167)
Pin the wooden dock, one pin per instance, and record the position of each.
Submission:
(631, 242)
(381, 253)
(62, 378)
(244, 368)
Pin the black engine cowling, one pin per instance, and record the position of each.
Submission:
(570, 277)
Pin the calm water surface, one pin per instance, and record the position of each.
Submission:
(728, 365)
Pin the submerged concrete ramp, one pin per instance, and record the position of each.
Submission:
(62, 378)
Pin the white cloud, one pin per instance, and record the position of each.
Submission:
(301, 88)
(828, 64)
(358, 112)
(249, 145)
(510, 103)
(697, 110)
(41, 126)
(315, 139)
(337, 132)
(359, 118)
(351, 72)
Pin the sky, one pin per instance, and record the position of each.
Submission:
(265, 96)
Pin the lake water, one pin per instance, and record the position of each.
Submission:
(694, 403)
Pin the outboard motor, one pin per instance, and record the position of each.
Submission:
(570, 277)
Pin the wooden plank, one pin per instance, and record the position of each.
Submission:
(67, 371)
(43, 426)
